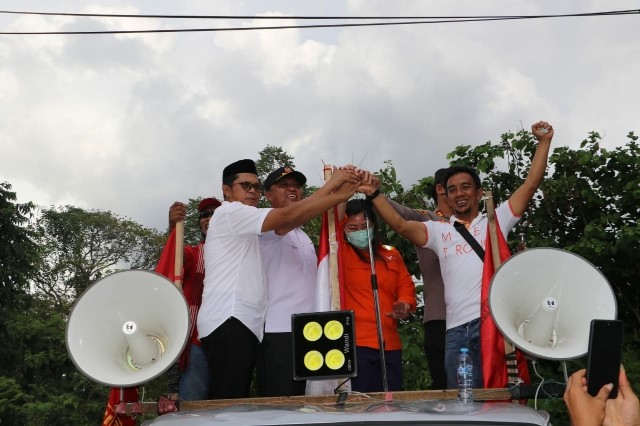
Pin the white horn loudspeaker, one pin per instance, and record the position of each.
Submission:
(127, 328)
(543, 301)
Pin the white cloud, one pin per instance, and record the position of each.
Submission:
(131, 123)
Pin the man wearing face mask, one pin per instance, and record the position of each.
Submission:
(396, 294)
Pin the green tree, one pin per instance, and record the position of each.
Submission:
(77, 248)
(271, 158)
(19, 260)
(18, 251)
(80, 247)
(590, 207)
(45, 387)
(192, 233)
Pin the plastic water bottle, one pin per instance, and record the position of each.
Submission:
(465, 376)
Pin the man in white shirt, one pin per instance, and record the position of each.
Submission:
(290, 266)
(231, 317)
(460, 265)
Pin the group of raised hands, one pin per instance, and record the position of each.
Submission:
(587, 410)
(353, 179)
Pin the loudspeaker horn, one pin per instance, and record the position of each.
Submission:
(543, 301)
(127, 328)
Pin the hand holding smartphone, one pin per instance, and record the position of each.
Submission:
(604, 356)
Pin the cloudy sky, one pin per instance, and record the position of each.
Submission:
(130, 123)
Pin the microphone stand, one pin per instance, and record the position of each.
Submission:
(376, 302)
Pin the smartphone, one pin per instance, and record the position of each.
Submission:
(604, 356)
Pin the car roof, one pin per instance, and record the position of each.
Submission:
(432, 412)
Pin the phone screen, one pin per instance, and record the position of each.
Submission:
(604, 356)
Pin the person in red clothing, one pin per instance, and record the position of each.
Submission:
(194, 370)
(396, 295)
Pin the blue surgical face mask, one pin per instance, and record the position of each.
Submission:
(360, 238)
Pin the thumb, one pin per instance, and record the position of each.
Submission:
(604, 392)
(623, 381)
(624, 387)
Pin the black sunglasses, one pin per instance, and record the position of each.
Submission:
(248, 185)
(205, 214)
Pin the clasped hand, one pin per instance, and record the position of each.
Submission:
(400, 310)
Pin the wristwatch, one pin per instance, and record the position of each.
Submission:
(374, 194)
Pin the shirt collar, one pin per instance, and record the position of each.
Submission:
(454, 219)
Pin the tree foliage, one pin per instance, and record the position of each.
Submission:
(80, 247)
(76, 248)
(271, 158)
(43, 386)
(192, 233)
(19, 259)
(19, 252)
(590, 206)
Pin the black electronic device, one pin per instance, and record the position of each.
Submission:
(324, 345)
(604, 356)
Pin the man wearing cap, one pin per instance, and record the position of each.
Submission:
(284, 256)
(231, 318)
(434, 319)
(194, 370)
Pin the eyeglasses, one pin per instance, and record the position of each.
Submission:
(205, 214)
(248, 185)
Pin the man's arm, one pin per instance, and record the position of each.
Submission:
(414, 231)
(408, 213)
(341, 187)
(410, 229)
(519, 200)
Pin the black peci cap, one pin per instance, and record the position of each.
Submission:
(240, 166)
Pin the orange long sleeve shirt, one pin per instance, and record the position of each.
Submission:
(394, 284)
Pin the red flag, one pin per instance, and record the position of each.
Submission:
(166, 267)
(110, 417)
(494, 366)
(166, 263)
